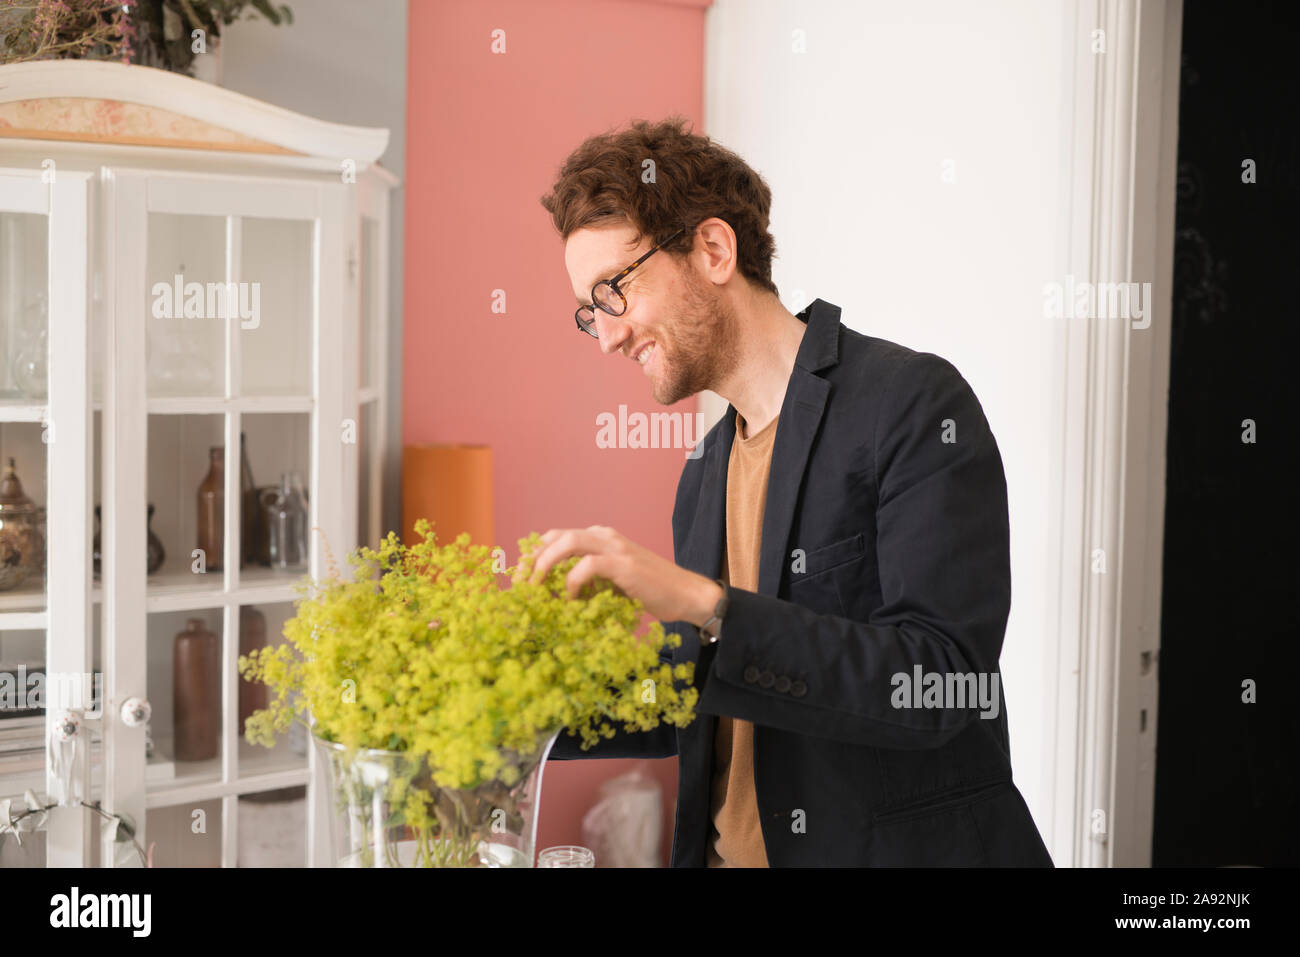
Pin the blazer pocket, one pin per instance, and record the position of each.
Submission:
(941, 837)
(939, 802)
(831, 556)
(817, 586)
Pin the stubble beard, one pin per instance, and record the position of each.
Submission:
(703, 342)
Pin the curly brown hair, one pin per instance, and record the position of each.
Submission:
(694, 179)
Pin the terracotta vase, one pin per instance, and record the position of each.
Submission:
(196, 686)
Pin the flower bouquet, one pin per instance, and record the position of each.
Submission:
(434, 691)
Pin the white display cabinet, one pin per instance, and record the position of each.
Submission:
(119, 186)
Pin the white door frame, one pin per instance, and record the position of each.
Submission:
(62, 197)
(1108, 482)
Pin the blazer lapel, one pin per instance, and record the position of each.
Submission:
(800, 418)
(702, 549)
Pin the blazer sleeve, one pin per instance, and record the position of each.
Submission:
(658, 742)
(942, 556)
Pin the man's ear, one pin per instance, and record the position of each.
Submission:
(716, 250)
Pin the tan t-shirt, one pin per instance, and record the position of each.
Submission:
(737, 837)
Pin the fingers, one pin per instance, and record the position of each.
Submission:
(587, 568)
(559, 544)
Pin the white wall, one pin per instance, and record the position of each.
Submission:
(342, 61)
(853, 136)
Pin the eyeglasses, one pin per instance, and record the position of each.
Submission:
(606, 295)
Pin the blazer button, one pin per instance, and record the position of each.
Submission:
(751, 674)
(765, 679)
(798, 689)
(782, 684)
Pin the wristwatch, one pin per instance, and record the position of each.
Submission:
(708, 637)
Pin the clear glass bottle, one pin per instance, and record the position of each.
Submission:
(30, 368)
(286, 519)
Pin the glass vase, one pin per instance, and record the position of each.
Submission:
(377, 795)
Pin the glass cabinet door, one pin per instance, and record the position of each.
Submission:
(372, 359)
(225, 449)
(46, 668)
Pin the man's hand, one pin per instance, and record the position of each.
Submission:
(668, 591)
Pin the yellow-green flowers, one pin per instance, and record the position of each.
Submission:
(430, 651)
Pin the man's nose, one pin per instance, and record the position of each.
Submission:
(612, 331)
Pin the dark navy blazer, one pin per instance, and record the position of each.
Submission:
(885, 546)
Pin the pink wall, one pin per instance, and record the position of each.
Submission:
(485, 135)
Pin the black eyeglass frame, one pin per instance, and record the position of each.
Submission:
(590, 326)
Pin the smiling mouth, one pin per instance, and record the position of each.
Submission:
(644, 353)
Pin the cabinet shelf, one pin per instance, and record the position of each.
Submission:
(183, 591)
(197, 781)
(27, 597)
(21, 410)
(203, 405)
(175, 591)
(23, 620)
(187, 405)
(173, 794)
(260, 769)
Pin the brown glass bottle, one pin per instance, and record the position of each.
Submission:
(248, 510)
(252, 635)
(196, 686)
(212, 510)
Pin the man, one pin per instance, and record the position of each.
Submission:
(841, 577)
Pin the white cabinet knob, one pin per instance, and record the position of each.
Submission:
(66, 727)
(135, 712)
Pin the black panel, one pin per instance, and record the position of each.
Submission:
(1226, 772)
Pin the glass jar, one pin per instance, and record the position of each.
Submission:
(566, 855)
